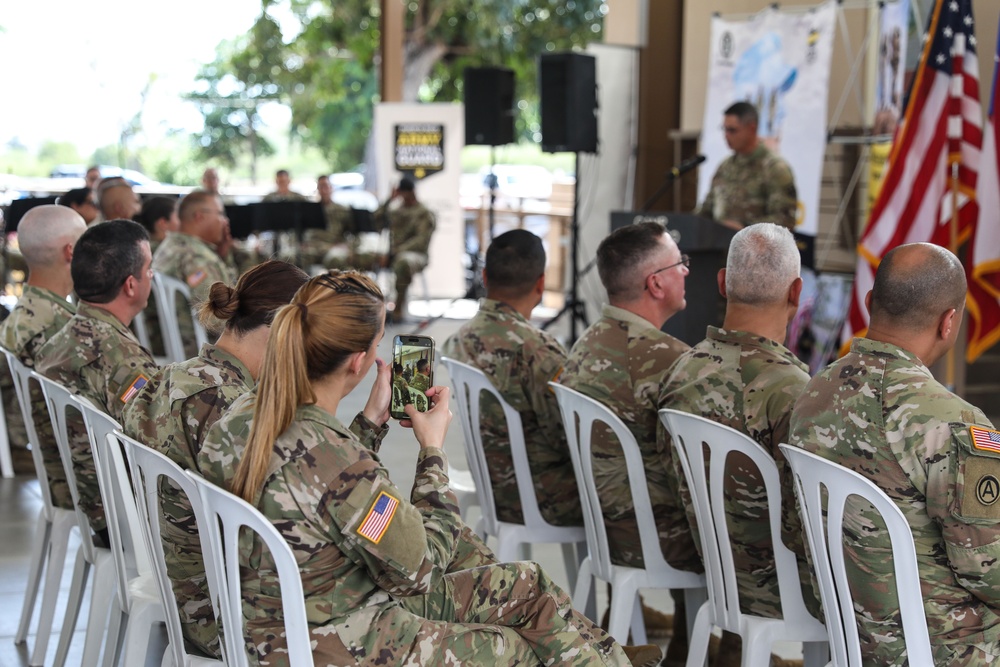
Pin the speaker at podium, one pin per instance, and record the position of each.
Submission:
(707, 244)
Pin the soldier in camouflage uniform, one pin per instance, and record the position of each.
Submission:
(179, 404)
(520, 360)
(879, 411)
(743, 377)
(753, 184)
(410, 228)
(374, 565)
(46, 236)
(159, 217)
(283, 191)
(332, 241)
(95, 355)
(190, 256)
(621, 361)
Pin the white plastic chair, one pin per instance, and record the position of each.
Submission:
(167, 289)
(221, 515)
(464, 487)
(142, 333)
(824, 527)
(470, 383)
(60, 402)
(148, 468)
(581, 415)
(706, 481)
(136, 610)
(52, 532)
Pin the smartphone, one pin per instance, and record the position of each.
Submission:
(412, 373)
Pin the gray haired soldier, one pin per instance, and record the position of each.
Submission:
(753, 184)
(94, 354)
(519, 359)
(190, 255)
(880, 412)
(180, 404)
(46, 237)
(622, 361)
(742, 376)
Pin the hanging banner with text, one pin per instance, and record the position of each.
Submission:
(424, 142)
(780, 63)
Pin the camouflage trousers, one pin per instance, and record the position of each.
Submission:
(404, 265)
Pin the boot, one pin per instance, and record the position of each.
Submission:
(647, 655)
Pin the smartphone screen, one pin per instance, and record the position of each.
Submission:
(412, 373)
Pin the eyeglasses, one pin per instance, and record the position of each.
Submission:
(685, 260)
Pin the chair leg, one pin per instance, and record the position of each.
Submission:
(638, 624)
(117, 627)
(815, 654)
(39, 551)
(143, 622)
(622, 605)
(571, 559)
(60, 530)
(756, 649)
(101, 598)
(700, 634)
(79, 585)
(582, 599)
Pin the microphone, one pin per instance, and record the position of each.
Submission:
(686, 166)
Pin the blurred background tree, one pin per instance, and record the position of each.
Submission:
(320, 58)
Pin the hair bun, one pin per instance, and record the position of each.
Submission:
(223, 301)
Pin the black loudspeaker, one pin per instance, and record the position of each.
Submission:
(569, 102)
(489, 106)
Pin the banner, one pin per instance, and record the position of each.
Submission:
(424, 142)
(781, 64)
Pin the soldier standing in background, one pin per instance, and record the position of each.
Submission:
(753, 184)
(880, 412)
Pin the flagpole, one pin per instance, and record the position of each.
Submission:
(953, 246)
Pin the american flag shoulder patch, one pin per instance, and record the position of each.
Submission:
(133, 388)
(379, 517)
(195, 278)
(985, 439)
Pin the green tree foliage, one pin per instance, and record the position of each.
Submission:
(321, 58)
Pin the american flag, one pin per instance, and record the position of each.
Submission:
(984, 278)
(133, 388)
(379, 517)
(942, 126)
(984, 438)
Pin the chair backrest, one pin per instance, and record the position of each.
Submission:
(167, 289)
(706, 479)
(141, 331)
(470, 384)
(22, 388)
(148, 468)
(221, 516)
(61, 403)
(129, 552)
(581, 416)
(816, 477)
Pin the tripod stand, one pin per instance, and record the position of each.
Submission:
(576, 308)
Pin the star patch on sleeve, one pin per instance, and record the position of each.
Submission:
(133, 388)
(379, 517)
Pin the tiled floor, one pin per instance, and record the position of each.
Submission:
(20, 501)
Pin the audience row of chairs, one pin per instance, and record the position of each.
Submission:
(165, 292)
(822, 487)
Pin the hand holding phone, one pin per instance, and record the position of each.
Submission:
(412, 373)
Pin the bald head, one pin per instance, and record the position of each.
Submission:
(45, 231)
(117, 200)
(914, 285)
(763, 262)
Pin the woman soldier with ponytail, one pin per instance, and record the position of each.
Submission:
(179, 404)
(377, 567)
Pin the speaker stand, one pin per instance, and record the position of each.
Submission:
(574, 307)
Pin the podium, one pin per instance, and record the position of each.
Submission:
(707, 244)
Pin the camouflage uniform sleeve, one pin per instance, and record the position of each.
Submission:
(782, 199)
(133, 370)
(420, 241)
(962, 493)
(369, 433)
(405, 547)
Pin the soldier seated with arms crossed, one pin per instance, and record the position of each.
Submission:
(880, 412)
(377, 592)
